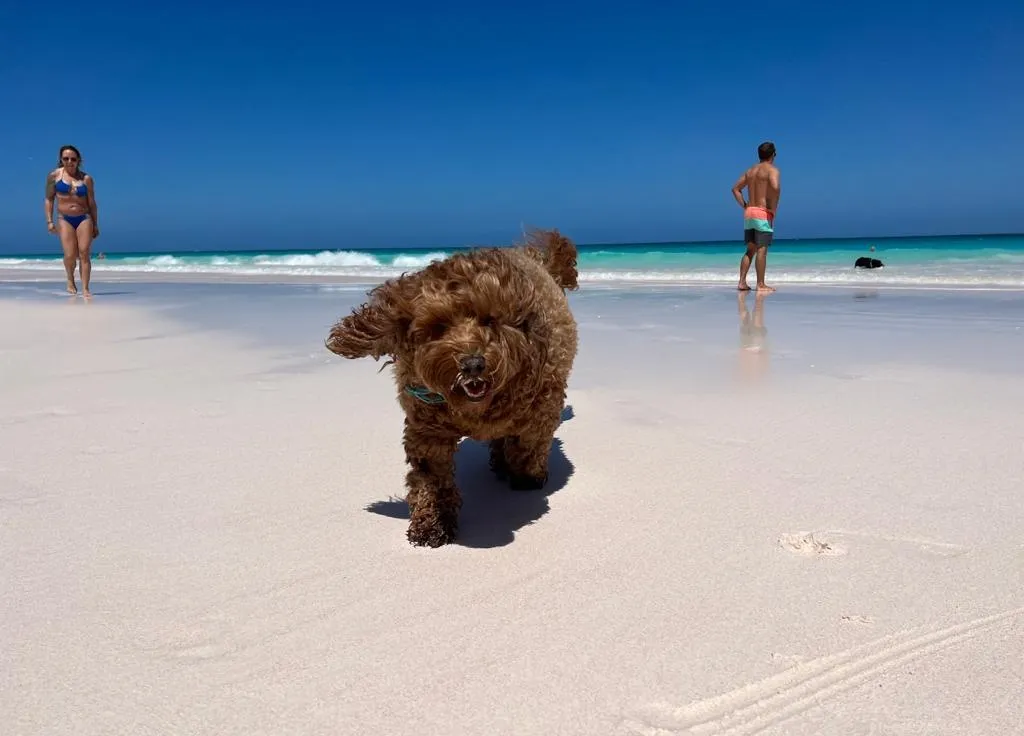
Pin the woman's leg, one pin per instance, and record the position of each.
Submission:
(84, 255)
(69, 244)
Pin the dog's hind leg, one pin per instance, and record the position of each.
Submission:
(526, 454)
(433, 498)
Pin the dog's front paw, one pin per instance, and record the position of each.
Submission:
(433, 530)
(522, 482)
(500, 472)
(497, 462)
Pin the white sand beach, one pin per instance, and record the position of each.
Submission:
(815, 529)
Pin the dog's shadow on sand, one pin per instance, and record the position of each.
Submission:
(491, 511)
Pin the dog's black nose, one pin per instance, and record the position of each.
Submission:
(472, 365)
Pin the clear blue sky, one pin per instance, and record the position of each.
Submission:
(315, 124)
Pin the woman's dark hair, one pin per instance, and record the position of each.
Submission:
(68, 148)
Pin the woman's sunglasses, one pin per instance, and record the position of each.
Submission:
(68, 158)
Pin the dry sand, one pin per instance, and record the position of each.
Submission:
(197, 539)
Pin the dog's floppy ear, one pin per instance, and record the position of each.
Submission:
(379, 326)
(558, 254)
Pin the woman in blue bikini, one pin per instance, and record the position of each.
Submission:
(78, 220)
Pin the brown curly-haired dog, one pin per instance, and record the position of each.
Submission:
(482, 344)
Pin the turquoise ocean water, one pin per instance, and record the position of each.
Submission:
(983, 261)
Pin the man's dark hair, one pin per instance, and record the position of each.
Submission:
(765, 151)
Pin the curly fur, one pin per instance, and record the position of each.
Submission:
(504, 305)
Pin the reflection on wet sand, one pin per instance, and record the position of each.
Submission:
(754, 354)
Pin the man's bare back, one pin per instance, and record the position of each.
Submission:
(762, 184)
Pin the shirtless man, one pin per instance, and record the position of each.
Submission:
(763, 188)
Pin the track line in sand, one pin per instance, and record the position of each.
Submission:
(758, 705)
(827, 543)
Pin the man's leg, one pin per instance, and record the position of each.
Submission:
(761, 261)
(748, 239)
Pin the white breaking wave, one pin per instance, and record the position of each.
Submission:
(413, 262)
(359, 265)
(164, 261)
(821, 277)
(323, 259)
(324, 263)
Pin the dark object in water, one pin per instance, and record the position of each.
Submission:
(865, 262)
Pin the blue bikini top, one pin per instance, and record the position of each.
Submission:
(64, 188)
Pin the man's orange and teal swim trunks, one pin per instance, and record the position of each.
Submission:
(758, 226)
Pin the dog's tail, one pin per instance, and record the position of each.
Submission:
(558, 254)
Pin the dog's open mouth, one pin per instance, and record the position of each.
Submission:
(474, 388)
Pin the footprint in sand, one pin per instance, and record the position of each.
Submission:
(31, 416)
(807, 544)
(866, 620)
(207, 637)
(17, 493)
(786, 659)
(201, 651)
(96, 450)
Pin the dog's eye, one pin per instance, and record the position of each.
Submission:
(437, 330)
(489, 322)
